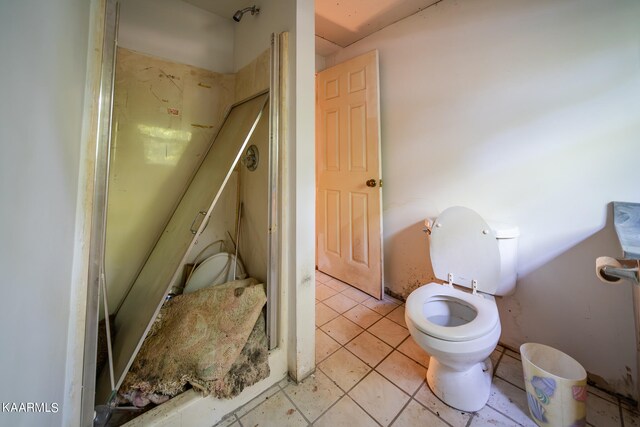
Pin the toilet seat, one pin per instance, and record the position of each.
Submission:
(484, 322)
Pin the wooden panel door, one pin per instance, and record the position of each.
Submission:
(349, 197)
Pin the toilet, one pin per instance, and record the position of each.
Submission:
(215, 270)
(459, 326)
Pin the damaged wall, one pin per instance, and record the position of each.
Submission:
(526, 112)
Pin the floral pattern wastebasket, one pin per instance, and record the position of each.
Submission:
(556, 386)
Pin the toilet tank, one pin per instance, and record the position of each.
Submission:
(507, 237)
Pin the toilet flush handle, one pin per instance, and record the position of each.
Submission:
(427, 226)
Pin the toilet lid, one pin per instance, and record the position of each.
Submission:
(485, 320)
(464, 245)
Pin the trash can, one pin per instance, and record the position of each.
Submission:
(556, 386)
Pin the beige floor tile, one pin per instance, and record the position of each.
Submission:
(383, 306)
(410, 348)
(362, 316)
(631, 418)
(369, 348)
(488, 416)
(379, 398)
(314, 395)
(325, 346)
(323, 292)
(389, 332)
(416, 415)
(601, 412)
(451, 415)
(324, 314)
(341, 329)
(345, 413)
(336, 284)
(355, 294)
(320, 276)
(397, 315)
(257, 400)
(510, 369)
(511, 401)
(403, 372)
(340, 303)
(344, 368)
(277, 411)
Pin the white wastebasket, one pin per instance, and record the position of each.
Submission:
(556, 386)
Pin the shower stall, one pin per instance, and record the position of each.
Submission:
(188, 162)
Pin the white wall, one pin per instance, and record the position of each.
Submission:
(252, 37)
(526, 112)
(175, 30)
(320, 63)
(43, 46)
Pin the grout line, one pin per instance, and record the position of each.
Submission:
(472, 417)
(506, 380)
(295, 406)
(346, 393)
(395, 348)
(495, 368)
(373, 368)
(413, 398)
(504, 414)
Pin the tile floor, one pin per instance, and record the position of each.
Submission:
(370, 372)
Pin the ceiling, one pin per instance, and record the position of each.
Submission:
(339, 23)
(344, 22)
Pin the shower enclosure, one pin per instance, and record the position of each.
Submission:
(163, 268)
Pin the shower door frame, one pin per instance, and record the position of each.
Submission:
(95, 279)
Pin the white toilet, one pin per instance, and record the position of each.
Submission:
(215, 270)
(461, 328)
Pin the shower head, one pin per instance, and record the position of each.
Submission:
(238, 15)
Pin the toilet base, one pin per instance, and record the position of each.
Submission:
(464, 390)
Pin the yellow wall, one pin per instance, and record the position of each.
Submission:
(165, 116)
(254, 185)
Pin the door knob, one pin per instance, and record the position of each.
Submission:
(371, 183)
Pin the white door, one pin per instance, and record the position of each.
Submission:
(349, 197)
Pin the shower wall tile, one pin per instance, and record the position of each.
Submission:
(165, 115)
(254, 77)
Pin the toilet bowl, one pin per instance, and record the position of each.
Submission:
(461, 328)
